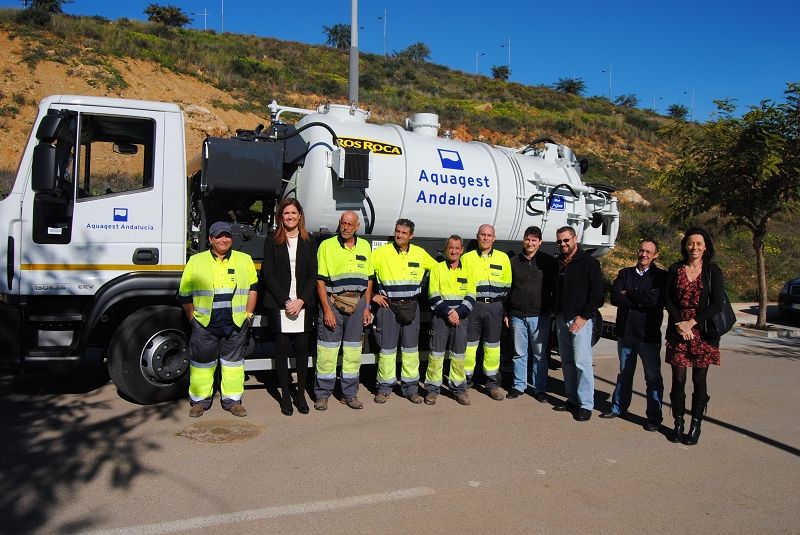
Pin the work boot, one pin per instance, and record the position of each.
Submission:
(238, 410)
(699, 404)
(415, 398)
(463, 398)
(353, 403)
(430, 398)
(678, 408)
(381, 397)
(196, 411)
(321, 404)
(496, 394)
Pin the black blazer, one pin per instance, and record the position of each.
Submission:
(640, 310)
(276, 278)
(707, 308)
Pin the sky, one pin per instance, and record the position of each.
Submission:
(665, 52)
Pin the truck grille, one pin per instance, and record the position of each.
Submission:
(794, 290)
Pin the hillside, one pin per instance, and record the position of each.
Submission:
(224, 82)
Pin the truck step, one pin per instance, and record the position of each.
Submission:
(51, 354)
(66, 317)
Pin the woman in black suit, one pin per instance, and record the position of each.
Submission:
(289, 272)
(694, 295)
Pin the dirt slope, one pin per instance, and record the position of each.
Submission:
(24, 88)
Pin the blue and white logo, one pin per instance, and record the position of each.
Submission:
(120, 214)
(450, 159)
(558, 203)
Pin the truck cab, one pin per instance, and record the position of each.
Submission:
(91, 221)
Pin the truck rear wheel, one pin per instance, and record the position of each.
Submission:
(148, 358)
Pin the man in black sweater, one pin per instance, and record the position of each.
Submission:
(638, 295)
(579, 293)
(528, 308)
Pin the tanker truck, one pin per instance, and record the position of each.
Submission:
(105, 211)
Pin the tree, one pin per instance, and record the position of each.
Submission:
(627, 101)
(50, 6)
(500, 72)
(570, 86)
(337, 36)
(418, 53)
(678, 111)
(746, 168)
(167, 15)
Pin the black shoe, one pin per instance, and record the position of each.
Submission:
(565, 407)
(583, 415)
(513, 394)
(609, 414)
(651, 426)
(541, 397)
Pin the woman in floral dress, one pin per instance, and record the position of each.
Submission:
(694, 294)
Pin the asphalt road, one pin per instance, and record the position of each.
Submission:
(77, 458)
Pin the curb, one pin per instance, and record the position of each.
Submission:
(772, 331)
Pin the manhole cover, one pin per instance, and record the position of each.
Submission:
(221, 431)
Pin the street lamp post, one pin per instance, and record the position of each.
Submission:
(609, 70)
(509, 55)
(477, 55)
(385, 18)
(654, 101)
(691, 112)
(204, 14)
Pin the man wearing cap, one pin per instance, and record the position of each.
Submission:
(218, 294)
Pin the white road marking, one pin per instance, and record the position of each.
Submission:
(201, 522)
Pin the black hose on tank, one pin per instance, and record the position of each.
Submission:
(553, 192)
(372, 212)
(307, 126)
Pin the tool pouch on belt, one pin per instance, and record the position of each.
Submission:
(404, 311)
(346, 302)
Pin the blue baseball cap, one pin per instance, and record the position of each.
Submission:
(220, 227)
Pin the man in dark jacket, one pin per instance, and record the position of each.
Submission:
(579, 293)
(638, 296)
(528, 308)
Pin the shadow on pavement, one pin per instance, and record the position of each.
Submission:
(55, 443)
(732, 427)
(776, 348)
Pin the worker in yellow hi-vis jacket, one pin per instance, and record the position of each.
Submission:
(218, 294)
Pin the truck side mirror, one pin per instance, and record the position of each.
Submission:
(43, 168)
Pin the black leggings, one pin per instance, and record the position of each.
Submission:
(699, 381)
(284, 343)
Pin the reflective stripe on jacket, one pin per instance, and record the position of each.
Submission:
(451, 289)
(214, 284)
(491, 273)
(343, 269)
(399, 274)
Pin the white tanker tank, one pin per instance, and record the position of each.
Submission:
(445, 186)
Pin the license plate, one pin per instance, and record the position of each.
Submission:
(796, 306)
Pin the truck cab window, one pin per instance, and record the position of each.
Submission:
(116, 155)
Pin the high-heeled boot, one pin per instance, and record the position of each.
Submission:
(286, 403)
(678, 409)
(699, 405)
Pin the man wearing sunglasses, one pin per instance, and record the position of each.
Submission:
(579, 293)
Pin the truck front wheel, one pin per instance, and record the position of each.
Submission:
(148, 358)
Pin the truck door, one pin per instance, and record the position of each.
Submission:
(104, 216)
